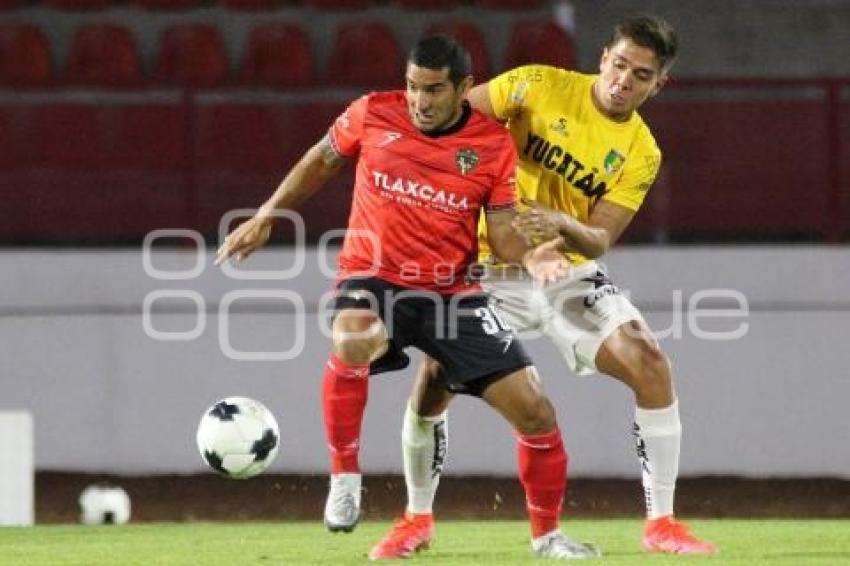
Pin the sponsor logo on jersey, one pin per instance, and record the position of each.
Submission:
(466, 160)
(421, 193)
(613, 161)
(389, 137)
(555, 158)
(559, 126)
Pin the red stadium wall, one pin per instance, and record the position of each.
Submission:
(744, 160)
(751, 159)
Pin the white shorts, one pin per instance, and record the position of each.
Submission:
(577, 313)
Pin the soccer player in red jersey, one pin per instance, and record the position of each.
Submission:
(427, 165)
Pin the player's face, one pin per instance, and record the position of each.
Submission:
(433, 101)
(629, 75)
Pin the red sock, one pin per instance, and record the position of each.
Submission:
(345, 388)
(543, 473)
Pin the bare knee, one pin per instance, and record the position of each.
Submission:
(648, 373)
(535, 413)
(538, 418)
(520, 400)
(632, 355)
(358, 336)
(651, 366)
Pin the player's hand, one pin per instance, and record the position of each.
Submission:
(546, 263)
(538, 223)
(245, 239)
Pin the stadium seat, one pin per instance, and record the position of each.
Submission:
(103, 55)
(365, 55)
(470, 37)
(79, 4)
(338, 4)
(426, 4)
(168, 4)
(509, 4)
(540, 42)
(191, 55)
(278, 55)
(24, 56)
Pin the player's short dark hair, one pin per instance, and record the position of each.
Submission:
(652, 32)
(439, 52)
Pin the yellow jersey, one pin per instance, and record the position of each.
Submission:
(570, 154)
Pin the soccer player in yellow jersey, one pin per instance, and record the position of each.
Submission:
(586, 162)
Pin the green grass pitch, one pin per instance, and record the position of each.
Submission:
(744, 542)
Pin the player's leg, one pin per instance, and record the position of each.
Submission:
(493, 364)
(424, 437)
(425, 425)
(597, 329)
(358, 336)
(424, 441)
(632, 355)
(541, 459)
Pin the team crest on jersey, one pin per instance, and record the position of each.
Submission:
(613, 161)
(559, 126)
(466, 160)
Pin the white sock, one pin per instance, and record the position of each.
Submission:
(424, 441)
(658, 435)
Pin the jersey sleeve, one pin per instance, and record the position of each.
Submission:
(346, 131)
(518, 88)
(639, 172)
(503, 195)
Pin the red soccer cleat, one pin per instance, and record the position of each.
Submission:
(409, 534)
(667, 535)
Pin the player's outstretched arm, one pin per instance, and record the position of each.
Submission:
(604, 227)
(319, 164)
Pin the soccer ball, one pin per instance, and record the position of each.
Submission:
(104, 505)
(238, 437)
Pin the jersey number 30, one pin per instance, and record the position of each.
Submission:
(491, 322)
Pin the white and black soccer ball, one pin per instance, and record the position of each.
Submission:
(104, 505)
(238, 437)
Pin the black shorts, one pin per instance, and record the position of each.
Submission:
(462, 332)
